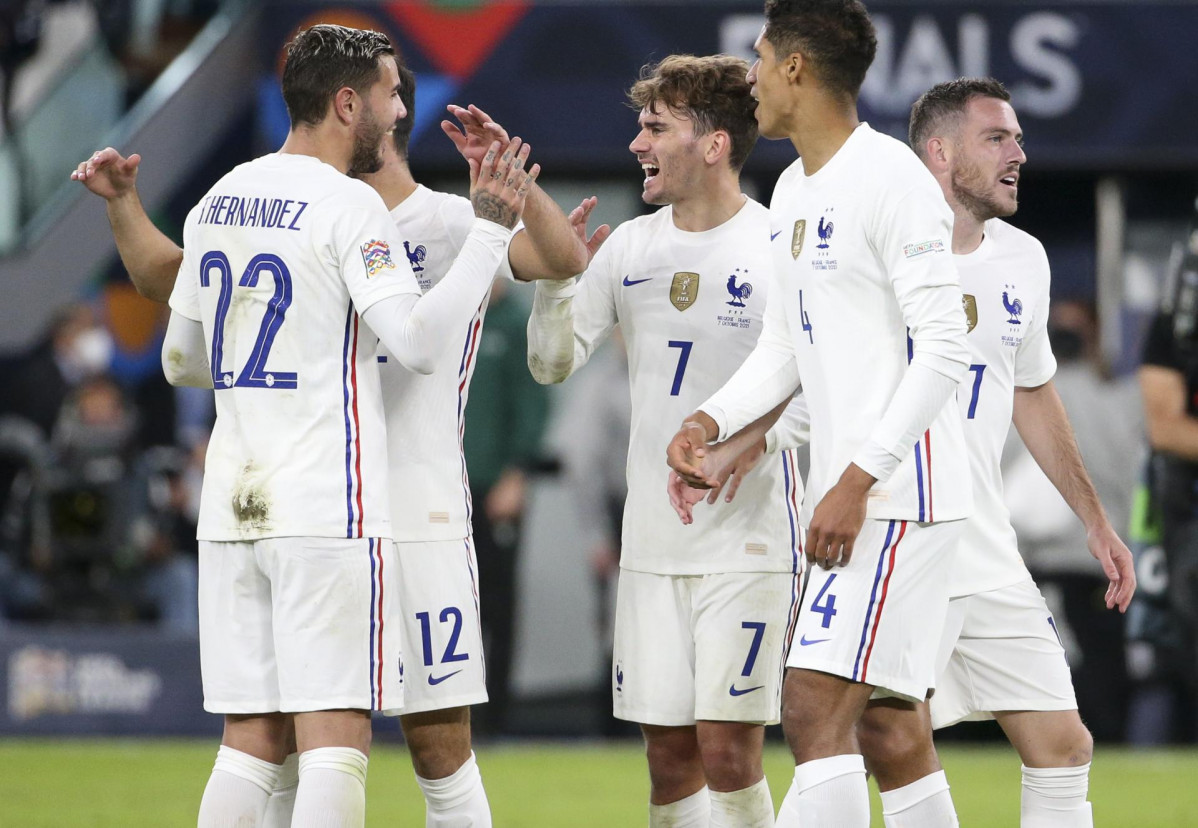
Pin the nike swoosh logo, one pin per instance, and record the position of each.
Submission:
(732, 691)
(434, 681)
(630, 283)
(807, 642)
(775, 235)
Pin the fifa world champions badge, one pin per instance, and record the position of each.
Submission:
(377, 256)
(970, 303)
(796, 238)
(684, 290)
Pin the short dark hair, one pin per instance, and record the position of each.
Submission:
(837, 36)
(943, 101)
(325, 58)
(713, 92)
(407, 94)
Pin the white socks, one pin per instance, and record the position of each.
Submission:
(925, 803)
(749, 807)
(458, 800)
(282, 798)
(237, 790)
(1056, 798)
(332, 789)
(828, 793)
(692, 812)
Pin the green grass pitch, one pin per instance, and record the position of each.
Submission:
(128, 784)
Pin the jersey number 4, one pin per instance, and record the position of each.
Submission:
(254, 374)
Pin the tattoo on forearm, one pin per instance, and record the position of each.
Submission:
(492, 208)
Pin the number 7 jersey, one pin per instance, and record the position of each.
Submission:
(690, 308)
(280, 259)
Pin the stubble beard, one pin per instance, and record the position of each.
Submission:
(970, 191)
(367, 154)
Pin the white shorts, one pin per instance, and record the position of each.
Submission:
(442, 637)
(1000, 651)
(709, 647)
(299, 624)
(878, 619)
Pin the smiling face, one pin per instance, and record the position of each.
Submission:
(986, 160)
(669, 153)
(381, 108)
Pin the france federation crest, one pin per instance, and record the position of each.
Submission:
(970, 303)
(377, 256)
(796, 239)
(684, 290)
(1013, 306)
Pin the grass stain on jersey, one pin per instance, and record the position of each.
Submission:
(251, 506)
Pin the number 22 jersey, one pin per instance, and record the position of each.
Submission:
(280, 259)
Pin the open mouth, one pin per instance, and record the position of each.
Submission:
(651, 171)
(1011, 180)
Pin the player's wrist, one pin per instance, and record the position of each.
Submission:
(701, 419)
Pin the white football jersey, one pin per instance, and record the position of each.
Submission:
(853, 246)
(1005, 284)
(430, 493)
(280, 259)
(689, 306)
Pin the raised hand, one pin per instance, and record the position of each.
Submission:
(578, 222)
(499, 184)
(107, 173)
(476, 132)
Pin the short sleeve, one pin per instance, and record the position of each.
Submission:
(1034, 361)
(369, 253)
(185, 295)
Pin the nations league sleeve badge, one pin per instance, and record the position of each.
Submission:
(377, 256)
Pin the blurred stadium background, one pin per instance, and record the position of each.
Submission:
(99, 458)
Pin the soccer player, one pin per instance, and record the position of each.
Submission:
(703, 612)
(1000, 656)
(429, 496)
(866, 311)
(283, 261)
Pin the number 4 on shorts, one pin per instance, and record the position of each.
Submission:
(828, 608)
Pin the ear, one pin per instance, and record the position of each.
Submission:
(719, 144)
(345, 105)
(939, 153)
(795, 66)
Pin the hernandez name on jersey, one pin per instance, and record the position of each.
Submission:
(280, 258)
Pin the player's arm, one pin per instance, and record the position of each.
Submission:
(1040, 418)
(928, 292)
(570, 319)
(764, 383)
(417, 329)
(185, 353)
(151, 258)
(549, 245)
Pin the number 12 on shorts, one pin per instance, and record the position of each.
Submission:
(426, 635)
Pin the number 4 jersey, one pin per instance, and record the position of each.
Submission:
(280, 259)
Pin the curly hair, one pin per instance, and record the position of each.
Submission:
(325, 58)
(836, 36)
(712, 92)
(943, 101)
